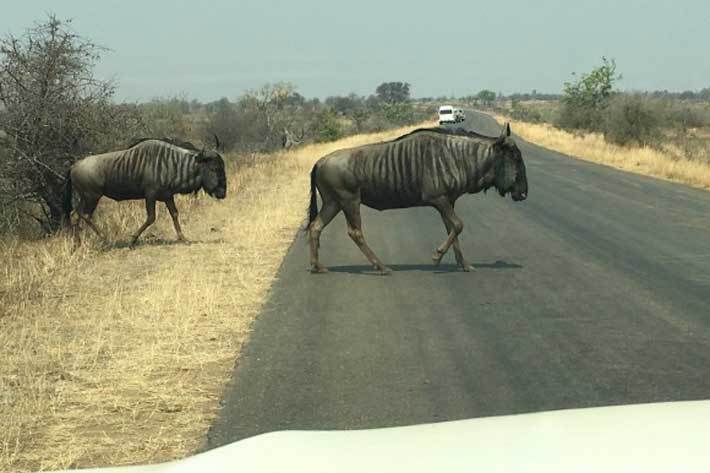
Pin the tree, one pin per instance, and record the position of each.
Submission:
(344, 105)
(166, 117)
(585, 99)
(487, 97)
(272, 103)
(55, 110)
(224, 121)
(327, 127)
(393, 92)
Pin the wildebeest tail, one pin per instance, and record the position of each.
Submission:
(313, 207)
(66, 199)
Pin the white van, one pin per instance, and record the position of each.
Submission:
(446, 114)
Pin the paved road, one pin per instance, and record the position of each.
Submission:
(595, 291)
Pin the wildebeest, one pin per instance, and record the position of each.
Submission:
(150, 169)
(427, 167)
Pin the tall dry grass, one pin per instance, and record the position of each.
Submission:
(112, 357)
(669, 162)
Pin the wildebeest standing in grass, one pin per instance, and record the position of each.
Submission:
(150, 169)
(427, 167)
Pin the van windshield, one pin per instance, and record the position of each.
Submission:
(445, 112)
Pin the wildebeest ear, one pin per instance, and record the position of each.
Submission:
(506, 130)
(504, 133)
(216, 142)
(200, 156)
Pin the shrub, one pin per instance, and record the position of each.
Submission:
(226, 122)
(397, 114)
(585, 99)
(683, 117)
(166, 118)
(523, 113)
(327, 127)
(631, 119)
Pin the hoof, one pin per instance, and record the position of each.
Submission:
(436, 258)
(319, 269)
(384, 271)
(467, 268)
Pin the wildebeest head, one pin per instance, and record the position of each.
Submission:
(214, 180)
(510, 168)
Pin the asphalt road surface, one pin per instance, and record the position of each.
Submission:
(595, 291)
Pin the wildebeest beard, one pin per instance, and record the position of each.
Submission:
(511, 179)
(214, 180)
(219, 191)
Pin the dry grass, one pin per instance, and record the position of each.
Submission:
(671, 163)
(114, 357)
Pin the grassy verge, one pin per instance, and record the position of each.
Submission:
(665, 163)
(113, 357)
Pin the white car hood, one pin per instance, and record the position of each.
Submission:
(645, 437)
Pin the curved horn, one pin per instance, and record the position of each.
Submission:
(506, 129)
(216, 140)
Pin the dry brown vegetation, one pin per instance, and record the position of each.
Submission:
(670, 160)
(115, 356)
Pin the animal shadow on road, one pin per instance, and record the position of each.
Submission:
(430, 268)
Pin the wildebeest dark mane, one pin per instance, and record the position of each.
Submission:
(173, 141)
(445, 131)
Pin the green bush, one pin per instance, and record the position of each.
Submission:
(327, 127)
(631, 119)
(397, 114)
(683, 117)
(524, 113)
(584, 100)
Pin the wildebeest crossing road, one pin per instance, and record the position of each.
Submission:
(593, 292)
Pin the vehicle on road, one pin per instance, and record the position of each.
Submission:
(459, 115)
(446, 114)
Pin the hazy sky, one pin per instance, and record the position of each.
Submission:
(208, 50)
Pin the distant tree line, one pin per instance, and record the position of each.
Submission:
(700, 95)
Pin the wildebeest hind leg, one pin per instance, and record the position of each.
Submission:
(85, 212)
(150, 218)
(352, 215)
(91, 224)
(327, 213)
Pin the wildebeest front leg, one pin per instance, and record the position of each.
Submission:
(454, 227)
(465, 265)
(150, 218)
(352, 215)
(172, 208)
